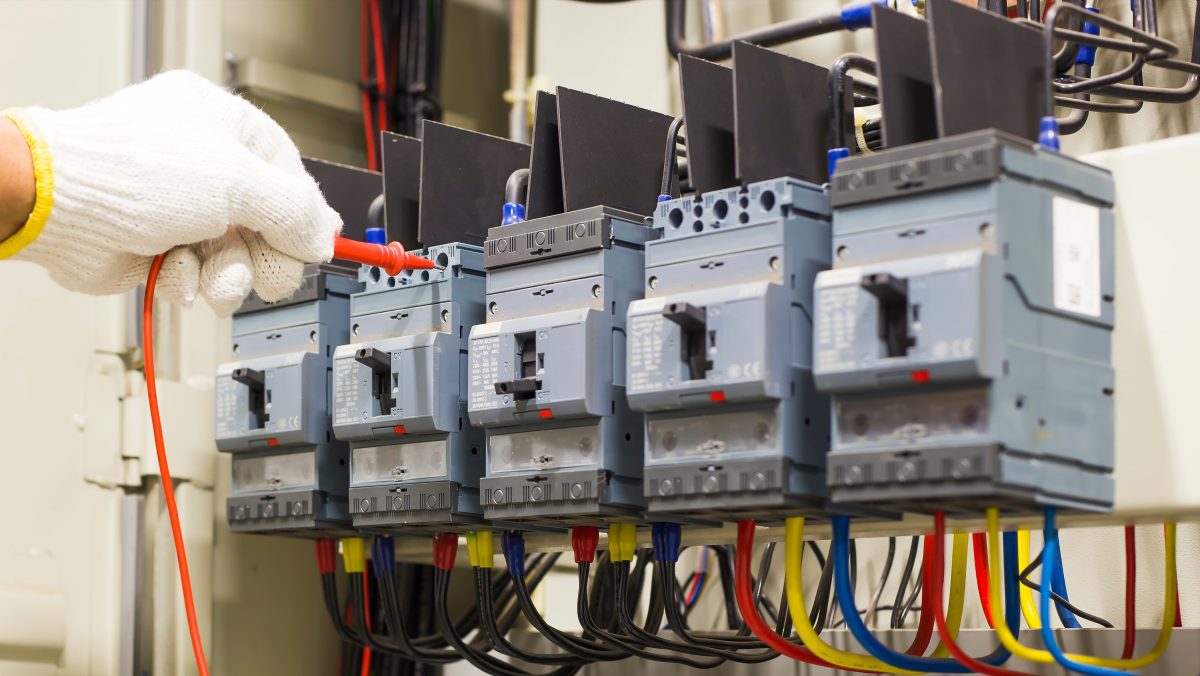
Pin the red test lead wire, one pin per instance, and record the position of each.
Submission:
(185, 578)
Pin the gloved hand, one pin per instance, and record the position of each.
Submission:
(175, 163)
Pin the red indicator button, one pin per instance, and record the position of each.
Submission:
(272, 441)
(399, 429)
(717, 396)
(921, 376)
(546, 413)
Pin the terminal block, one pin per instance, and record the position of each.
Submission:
(720, 353)
(399, 394)
(965, 330)
(547, 370)
(289, 473)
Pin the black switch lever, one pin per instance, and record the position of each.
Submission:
(527, 384)
(251, 378)
(892, 293)
(375, 359)
(380, 363)
(693, 324)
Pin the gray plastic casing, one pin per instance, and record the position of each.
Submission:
(289, 475)
(561, 285)
(1005, 397)
(748, 436)
(420, 320)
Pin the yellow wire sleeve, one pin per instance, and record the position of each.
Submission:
(1043, 657)
(958, 591)
(1028, 607)
(794, 583)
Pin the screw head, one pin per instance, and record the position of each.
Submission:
(711, 484)
(758, 481)
(666, 487)
(364, 505)
(537, 493)
(397, 503)
(576, 491)
(297, 508)
(906, 472)
(853, 475)
(498, 496)
(433, 501)
(269, 510)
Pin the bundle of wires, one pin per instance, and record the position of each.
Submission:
(400, 67)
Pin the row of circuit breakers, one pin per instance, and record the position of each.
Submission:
(929, 329)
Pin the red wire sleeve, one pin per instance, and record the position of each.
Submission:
(749, 610)
(1178, 610)
(1130, 594)
(160, 448)
(979, 553)
(935, 577)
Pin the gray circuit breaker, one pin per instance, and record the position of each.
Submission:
(272, 409)
(965, 330)
(720, 353)
(547, 370)
(399, 394)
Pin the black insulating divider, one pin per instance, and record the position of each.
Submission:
(545, 165)
(402, 187)
(988, 71)
(905, 75)
(612, 152)
(707, 90)
(781, 113)
(463, 174)
(350, 191)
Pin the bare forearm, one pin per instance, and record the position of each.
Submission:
(16, 179)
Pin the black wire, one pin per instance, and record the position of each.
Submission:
(578, 646)
(723, 647)
(912, 599)
(883, 579)
(483, 589)
(820, 605)
(1024, 579)
(669, 165)
(623, 641)
(733, 618)
(905, 579)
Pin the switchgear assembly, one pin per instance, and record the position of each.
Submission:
(547, 370)
(965, 330)
(289, 474)
(720, 352)
(414, 460)
(546, 373)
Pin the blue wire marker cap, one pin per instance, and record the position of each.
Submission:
(513, 543)
(376, 236)
(383, 553)
(514, 212)
(1048, 134)
(1087, 53)
(855, 17)
(836, 154)
(664, 198)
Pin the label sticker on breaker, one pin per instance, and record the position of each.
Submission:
(485, 371)
(1076, 257)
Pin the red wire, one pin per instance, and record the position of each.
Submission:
(185, 577)
(920, 642)
(364, 73)
(979, 553)
(380, 70)
(749, 610)
(366, 585)
(935, 576)
(1130, 594)
(1178, 610)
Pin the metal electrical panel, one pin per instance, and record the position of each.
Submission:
(720, 353)
(272, 410)
(965, 330)
(547, 371)
(399, 399)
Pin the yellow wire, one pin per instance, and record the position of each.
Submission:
(1028, 607)
(1043, 657)
(958, 591)
(794, 582)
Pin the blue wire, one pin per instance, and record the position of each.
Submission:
(1050, 552)
(1058, 583)
(845, 596)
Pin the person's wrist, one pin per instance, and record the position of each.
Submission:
(17, 185)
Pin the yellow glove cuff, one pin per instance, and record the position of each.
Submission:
(43, 175)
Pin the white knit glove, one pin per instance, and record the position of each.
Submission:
(173, 164)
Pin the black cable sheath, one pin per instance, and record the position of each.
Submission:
(905, 579)
(1023, 578)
